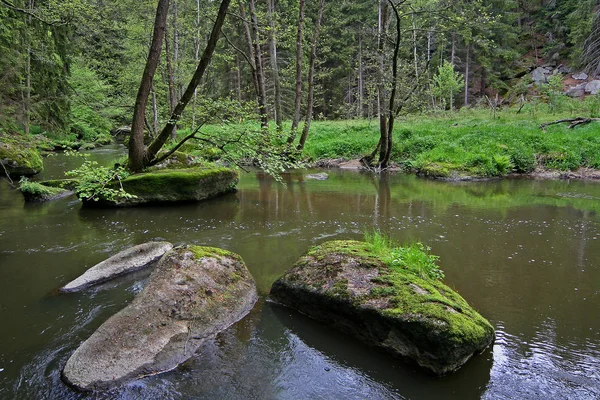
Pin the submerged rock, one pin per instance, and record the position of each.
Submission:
(344, 285)
(174, 185)
(321, 176)
(125, 262)
(194, 293)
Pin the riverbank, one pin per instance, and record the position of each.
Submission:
(467, 145)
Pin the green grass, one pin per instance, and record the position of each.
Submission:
(467, 143)
(414, 257)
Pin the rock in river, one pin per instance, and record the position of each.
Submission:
(194, 293)
(172, 186)
(127, 261)
(343, 284)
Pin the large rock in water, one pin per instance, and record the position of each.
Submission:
(19, 159)
(194, 293)
(127, 261)
(344, 285)
(174, 185)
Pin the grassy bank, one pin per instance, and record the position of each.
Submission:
(469, 142)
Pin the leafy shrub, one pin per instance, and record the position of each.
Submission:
(97, 182)
(523, 159)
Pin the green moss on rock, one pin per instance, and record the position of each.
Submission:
(174, 185)
(18, 157)
(38, 192)
(347, 285)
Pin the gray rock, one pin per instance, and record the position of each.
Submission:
(564, 69)
(193, 294)
(322, 176)
(593, 87)
(576, 91)
(581, 76)
(539, 75)
(125, 262)
(345, 285)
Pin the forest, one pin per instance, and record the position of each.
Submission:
(273, 199)
(71, 70)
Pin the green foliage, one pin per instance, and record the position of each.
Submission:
(414, 258)
(37, 189)
(471, 144)
(446, 83)
(90, 111)
(96, 182)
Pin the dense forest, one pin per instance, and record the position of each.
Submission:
(72, 68)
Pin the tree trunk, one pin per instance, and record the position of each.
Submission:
(251, 58)
(136, 141)
(384, 162)
(298, 98)
(383, 140)
(196, 55)
(360, 76)
(311, 77)
(157, 144)
(170, 80)
(260, 74)
(274, 66)
(467, 75)
(27, 102)
(154, 112)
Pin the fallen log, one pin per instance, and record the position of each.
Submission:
(573, 122)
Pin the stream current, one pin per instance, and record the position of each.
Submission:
(524, 253)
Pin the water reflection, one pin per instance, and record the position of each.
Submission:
(524, 253)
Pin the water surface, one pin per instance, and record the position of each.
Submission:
(524, 253)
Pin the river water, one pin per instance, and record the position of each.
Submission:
(524, 253)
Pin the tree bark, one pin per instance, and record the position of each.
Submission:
(298, 97)
(170, 79)
(360, 76)
(311, 77)
(157, 144)
(467, 74)
(260, 73)
(380, 84)
(274, 66)
(136, 142)
(251, 59)
(384, 162)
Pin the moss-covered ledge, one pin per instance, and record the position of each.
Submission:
(346, 285)
(19, 158)
(173, 185)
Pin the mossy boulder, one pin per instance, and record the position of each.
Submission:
(193, 294)
(344, 284)
(19, 158)
(174, 185)
(36, 192)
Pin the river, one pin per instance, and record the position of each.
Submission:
(524, 253)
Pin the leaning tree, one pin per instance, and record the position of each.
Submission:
(141, 156)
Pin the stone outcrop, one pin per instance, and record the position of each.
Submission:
(593, 87)
(19, 159)
(343, 284)
(581, 76)
(172, 186)
(125, 262)
(193, 293)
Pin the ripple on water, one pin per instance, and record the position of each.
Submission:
(543, 368)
